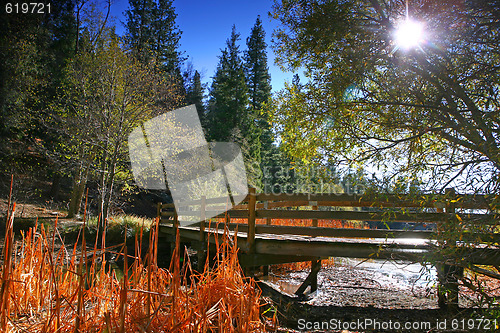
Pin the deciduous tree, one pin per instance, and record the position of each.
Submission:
(430, 109)
(106, 94)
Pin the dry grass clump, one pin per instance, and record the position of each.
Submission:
(45, 288)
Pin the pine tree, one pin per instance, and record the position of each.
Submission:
(167, 36)
(195, 94)
(33, 51)
(153, 36)
(139, 26)
(256, 69)
(259, 86)
(229, 116)
(228, 94)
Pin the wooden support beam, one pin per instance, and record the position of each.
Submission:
(448, 291)
(448, 275)
(158, 210)
(315, 266)
(252, 200)
(311, 279)
(201, 249)
(333, 232)
(349, 248)
(441, 288)
(254, 259)
(175, 232)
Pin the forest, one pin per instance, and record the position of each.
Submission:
(391, 98)
(72, 91)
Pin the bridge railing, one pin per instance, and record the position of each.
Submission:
(418, 216)
(439, 213)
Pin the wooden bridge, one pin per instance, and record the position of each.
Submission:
(409, 228)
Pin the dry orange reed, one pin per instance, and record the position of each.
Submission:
(44, 289)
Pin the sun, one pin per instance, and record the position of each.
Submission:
(409, 34)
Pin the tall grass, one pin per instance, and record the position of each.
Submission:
(45, 288)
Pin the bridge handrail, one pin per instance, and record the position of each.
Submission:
(466, 201)
(382, 207)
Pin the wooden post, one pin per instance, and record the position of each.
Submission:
(265, 268)
(315, 266)
(314, 205)
(158, 211)
(314, 263)
(448, 274)
(252, 200)
(454, 274)
(175, 224)
(268, 219)
(441, 288)
(201, 250)
(311, 279)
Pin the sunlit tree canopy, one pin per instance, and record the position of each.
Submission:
(427, 108)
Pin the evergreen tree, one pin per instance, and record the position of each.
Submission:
(153, 36)
(139, 26)
(229, 116)
(256, 69)
(195, 94)
(228, 94)
(259, 86)
(33, 50)
(166, 35)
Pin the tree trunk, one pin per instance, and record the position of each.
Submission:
(78, 190)
(56, 185)
(102, 195)
(110, 181)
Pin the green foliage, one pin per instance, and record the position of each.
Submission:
(105, 94)
(33, 49)
(195, 95)
(259, 87)
(229, 116)
(228, 94)
(153, 35)
(428, 110)
(256, 69)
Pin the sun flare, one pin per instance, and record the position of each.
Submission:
(409, 34)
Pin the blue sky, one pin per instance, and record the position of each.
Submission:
(206, 25)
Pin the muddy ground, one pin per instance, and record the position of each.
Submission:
(350, 294)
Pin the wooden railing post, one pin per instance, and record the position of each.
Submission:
(175, 230)
(314, 205)
(268, 219)
(201, 250)
(448, 291)
(158, 211)
(252, 200)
